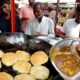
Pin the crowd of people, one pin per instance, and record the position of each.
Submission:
(38, 19)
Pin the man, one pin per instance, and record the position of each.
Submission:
(26, 14)
(5, 18)
(71, 28)
(41, 25)
(52, 13)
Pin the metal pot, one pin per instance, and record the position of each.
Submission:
(72, 43)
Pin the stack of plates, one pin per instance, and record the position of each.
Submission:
(50, 40)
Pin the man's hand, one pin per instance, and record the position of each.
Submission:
(24, 18)
(39, 34)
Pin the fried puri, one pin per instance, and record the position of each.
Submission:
(24, 77)
(0, 65)
(40, 72)
(9, 58)
(1, 53)
(23, 55)
(22, 67)
(5, 76)
(39, 58)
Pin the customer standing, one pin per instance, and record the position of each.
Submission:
(40, 25)
(71, 28)
(26, 14)
(5, 18)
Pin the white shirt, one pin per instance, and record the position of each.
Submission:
(52, 15)
(71, 28)
(45, 27)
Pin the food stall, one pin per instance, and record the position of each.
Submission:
(12, 42)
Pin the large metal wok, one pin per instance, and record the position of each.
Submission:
(19, 41)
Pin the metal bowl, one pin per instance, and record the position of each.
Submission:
(66, 42)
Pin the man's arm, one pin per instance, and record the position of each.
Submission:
(24, 18)
(28, 28)
(62, 35)
(51, 28)
(63, 30)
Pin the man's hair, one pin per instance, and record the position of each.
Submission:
(36, 4)
(78, 7)
(2, 2)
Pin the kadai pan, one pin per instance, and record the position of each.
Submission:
(11, 42)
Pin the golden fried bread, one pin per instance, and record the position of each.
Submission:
(39, 58)
(40, 72)
(5, 76)
(22, 67)
(23, 55)
(24, 77)
(9, 58)
(0, 65)
(1, 53)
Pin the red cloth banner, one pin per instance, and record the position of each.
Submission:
(12, 4)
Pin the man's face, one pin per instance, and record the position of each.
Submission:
(38, 12)
(77, 16)
(4, 9)
(31, 2)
